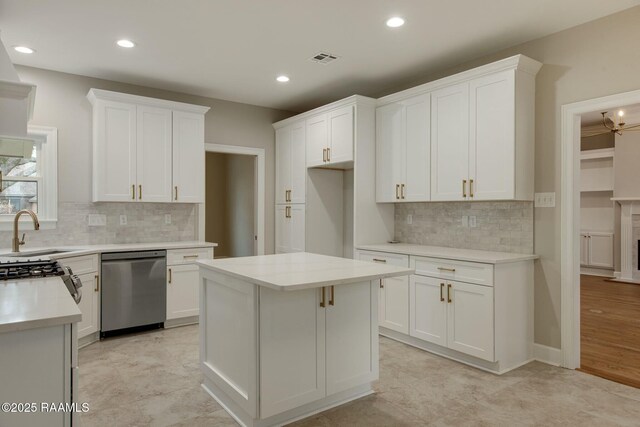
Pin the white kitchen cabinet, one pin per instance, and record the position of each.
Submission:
(114, 152)
(153, 154)
(188, 157)
(428, 309)
(312, 349)
(403, 150)
(290, 228)
(182, 291)
(470, 314)
(183, 279)
(596, 249)
(290, 164)
(450, 143)
(329, 138)
(146, 150)
(89, 305)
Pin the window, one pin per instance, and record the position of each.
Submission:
(29, 177)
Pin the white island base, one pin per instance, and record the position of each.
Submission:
(285, 336)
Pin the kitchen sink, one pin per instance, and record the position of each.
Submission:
(45, 252)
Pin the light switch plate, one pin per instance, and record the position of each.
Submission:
(97, 220)
(123, 220)
(409, 219)
(545, 200)
(472, 221)
(465, 220)
(167, 219)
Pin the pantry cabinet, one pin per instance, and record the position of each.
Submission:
(403, 150)
(146, 150)
(290, 228)
(290, 164)
(330, 138)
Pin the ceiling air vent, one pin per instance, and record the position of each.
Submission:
(323, 58)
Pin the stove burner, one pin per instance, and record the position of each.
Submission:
(30, 269)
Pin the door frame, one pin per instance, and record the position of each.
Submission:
(260, 179)
(570, 217)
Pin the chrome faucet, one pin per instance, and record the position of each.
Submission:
(36, 225)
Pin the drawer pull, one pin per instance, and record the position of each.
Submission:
(441, 289)
(190, 256)
(452, 270)
(170, 276)
(379, 260)
(449, 292)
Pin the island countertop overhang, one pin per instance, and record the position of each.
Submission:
(302, 270)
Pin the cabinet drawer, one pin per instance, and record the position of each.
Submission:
(384, 258)
(463, 271)
(82, 264)
(188, 256)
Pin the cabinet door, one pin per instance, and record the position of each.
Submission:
(584, 249)
(417, 149)
(341, 135)
(298, 183)
(470, 327)
(317, 139)
(183, 291)
(352, 336)
(114, 159)
(297, 228)
(389, 148)
(601, 250)
(283, 164)
(153, 154)
(450, 143)
(89, 305)
(428, 309)
(394, 304)
(283, 230)
(188, 157)
(297, 348)
(492, 137)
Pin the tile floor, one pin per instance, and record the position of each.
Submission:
(152, 379)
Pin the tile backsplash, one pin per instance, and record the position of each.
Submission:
(145, 224)
(500, 226)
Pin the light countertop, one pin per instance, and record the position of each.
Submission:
(303, 270)
(36, 303)
(78, 250)
(471, 255)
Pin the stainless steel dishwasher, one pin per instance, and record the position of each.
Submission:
(134, 290)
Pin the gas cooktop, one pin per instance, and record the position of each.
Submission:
(30, 269)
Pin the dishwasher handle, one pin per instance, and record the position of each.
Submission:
(119, 256)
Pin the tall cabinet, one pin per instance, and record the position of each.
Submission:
(146, 150)
(470, 136)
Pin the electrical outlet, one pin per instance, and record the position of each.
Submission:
(97, 220)
(409, 219)
(472, 221)
(465, 220)
(123, 220)
(167, 219)
(545, 200)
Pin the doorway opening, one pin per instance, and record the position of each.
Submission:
(233, 212)
(600, 239)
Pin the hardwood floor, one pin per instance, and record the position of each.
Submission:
(610, 329)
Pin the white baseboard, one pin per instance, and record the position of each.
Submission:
(548, 355)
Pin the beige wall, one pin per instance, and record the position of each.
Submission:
(626, 174)
(61, 102)
(588, 61)
(597, 142)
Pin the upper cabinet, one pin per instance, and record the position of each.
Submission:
(402, 146)
(290, 164)
(330, 138)
(478, 135)
(146, 150)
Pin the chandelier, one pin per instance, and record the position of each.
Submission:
(616, 124)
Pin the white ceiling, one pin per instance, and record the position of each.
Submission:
(234, 49)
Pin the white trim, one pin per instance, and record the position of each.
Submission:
(602, 153)
(570, 217)
(351, 100)
(549, 355)
(99, 94)
(260, 179)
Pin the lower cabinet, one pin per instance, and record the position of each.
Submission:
(596, 249)
(428, 309)
(183, 279)
(87, 269)
(325, 351)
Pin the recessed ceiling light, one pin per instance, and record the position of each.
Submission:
(395, 22)
(23, 49)
(125, 43)
(282, 79)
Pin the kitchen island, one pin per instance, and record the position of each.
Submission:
(285, 336)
